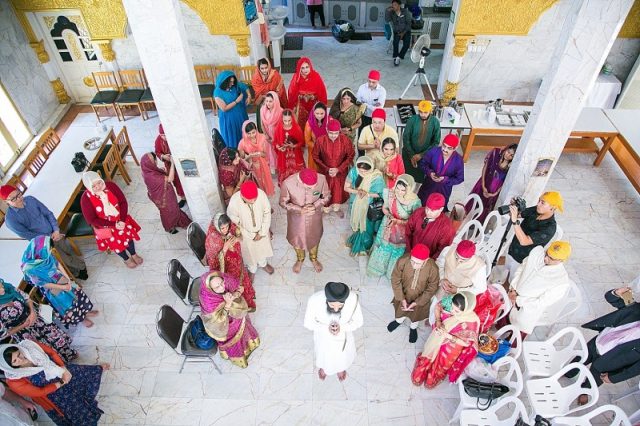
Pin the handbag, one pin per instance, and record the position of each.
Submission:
(103, 233)
(79, 162)
(395, 234)
(374, 212)
(484, 391)
(539, 421)
(198, 336)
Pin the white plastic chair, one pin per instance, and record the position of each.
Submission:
(506, 302)
(493, 227)
(432, 310)
(476, 207)
(515, 337)
(557, 236)
(487, 263)
(562, 309)
(619, 417)
(550, 399)
(471, 230)
(492, 417)
(509, 374)
(542, 359)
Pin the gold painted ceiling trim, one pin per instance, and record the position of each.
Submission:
(222, 17)
(631, 26)
(499, 17)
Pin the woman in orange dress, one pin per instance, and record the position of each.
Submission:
(315, 128)
(253, 148)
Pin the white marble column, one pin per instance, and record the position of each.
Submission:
(161, 39)
(588, 33)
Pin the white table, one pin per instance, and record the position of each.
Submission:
(57, 183)
(625, 147)
(458, 125)
(604, 93)
(592, 123)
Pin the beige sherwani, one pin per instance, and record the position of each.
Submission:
(414, 286)
(539, 288)
(252, 219)
(304, 230)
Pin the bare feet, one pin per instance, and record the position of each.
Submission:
(131, 264)
(340, 214)
(583, 399)
(321, 374)
(137, 259)
(317, 266)
(297, 267)
(105, 366)
(93, 313)
(87, 323)
(342, 375)
(268, 269)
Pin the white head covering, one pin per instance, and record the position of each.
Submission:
(88, 178)
(38, 358)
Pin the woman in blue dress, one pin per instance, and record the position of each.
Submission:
(232, 98)
(364, 183)
(390, 242)
(66, 392)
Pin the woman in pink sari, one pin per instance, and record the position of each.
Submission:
(454, 335)
(225, 317)
(160, 192)
(270, 114)
(253, 148)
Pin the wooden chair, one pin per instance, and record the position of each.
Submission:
(35, 161)
(205, 76)
(18, 183)
(48, 142)
(219, 68)
(246, 73)
(132, 86)
(147, 97)
(112, 165)
(124, 145)
(2, 214)
(108, 90)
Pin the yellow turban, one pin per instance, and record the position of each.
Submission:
(554, 199)
(425, 106)
(559, 250)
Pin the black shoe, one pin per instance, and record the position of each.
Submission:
(82, 275)
(393, 325)
(182, 203)
(413, 335)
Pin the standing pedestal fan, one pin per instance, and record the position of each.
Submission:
(419, 53)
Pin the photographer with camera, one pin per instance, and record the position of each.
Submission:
(533, 226)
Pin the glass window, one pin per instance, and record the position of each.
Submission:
(14, 133)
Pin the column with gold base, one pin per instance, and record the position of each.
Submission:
(107, 55)
(243, 49)
(453, 78)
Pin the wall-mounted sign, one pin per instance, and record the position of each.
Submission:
(189, 167)
(543, 167)
(250, 11)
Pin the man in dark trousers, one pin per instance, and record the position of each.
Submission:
(400, 20)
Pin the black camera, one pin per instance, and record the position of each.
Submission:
(79, 162)
(519, 202)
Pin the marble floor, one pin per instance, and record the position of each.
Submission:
(280, 385)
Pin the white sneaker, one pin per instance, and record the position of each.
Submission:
(396, 61)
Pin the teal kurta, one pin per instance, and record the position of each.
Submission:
(361, 241)
(413, 144)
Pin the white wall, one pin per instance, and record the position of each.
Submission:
(205, 48)
(512, 67)
(22, 73)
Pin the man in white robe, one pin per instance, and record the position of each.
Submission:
(538, 285)
(250, 210)
(333, 314)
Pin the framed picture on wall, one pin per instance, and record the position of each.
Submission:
(250, 11)
(189, 167)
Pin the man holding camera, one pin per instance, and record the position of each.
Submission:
(536, 227)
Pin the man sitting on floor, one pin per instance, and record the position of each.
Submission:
(28, 218)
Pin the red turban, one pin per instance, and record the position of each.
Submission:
(420, 252)
(309, 177)
(249, 190)
(435, 201)
(374, 75)
(334, 125)
(161, 129)
(451, 140)
(466, 249)
(6, 190)
(379, 113)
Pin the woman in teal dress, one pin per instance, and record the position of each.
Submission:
(232, 98)
(389, 244)
(364, 183)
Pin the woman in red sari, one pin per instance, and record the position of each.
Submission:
(305, 90)
(223, 253)
(232, 172)
(160, 192)
(105, 208)
(288, 142)
(266, 79)
(253, 148)
(163, 152)
(454, 334)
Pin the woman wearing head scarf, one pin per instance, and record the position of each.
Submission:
(105, 208)
(494, 173)
(164, 153)
(232, 172)
(254, 148)
(266, 79)
(315, 128)
(390, 242)
(364, 183)
(305, 90)
(454, 333)
(224, 254)
(267, 119)
(66, 392)
(19, 320)
(348, 111)
(40, 267)
(388, 161)
(160, 192)
(288, 143)
(232, 98)
(226, 319)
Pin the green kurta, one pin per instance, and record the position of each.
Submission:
(412, 143)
